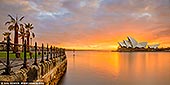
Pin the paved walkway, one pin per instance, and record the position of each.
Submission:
(17, 61)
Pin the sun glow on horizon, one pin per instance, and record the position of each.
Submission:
(110, 47)
(91, 24)
(106, 46)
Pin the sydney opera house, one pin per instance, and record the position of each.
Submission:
(132, 45)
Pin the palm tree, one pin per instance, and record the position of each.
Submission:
(13, 25)
(22, 34)
(6, 34)
(29, 27)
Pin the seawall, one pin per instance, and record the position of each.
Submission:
(44, 73)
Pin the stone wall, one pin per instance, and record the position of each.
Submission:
(20, 75)
(48, 72)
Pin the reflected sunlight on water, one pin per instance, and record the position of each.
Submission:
(117, 68)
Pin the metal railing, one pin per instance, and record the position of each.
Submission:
(54, 52)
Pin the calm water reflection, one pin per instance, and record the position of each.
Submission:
(114, 68)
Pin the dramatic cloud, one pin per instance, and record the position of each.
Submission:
(92, 24)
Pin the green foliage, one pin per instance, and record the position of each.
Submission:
(3, 54)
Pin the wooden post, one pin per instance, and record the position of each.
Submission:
(25, 55)
(42, 59)
(35, 61)
(47, 53)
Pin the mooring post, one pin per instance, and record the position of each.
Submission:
(51, 55)
(25, 55)
(47, 53)
(42, 59)
(35, 61)
(8, 69)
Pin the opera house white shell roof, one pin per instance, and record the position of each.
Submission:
(141, 45)
(127, 43)
(122, 44)
(132, 43)
(153, 46)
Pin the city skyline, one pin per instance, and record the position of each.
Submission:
(92, 24)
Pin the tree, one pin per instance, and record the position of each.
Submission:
(22, 34)
(29, 27)
(6, 34)
(13, 25)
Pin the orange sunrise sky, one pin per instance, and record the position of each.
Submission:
(91, 24)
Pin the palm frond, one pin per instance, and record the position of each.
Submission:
(12, 19)
(11, 27)
(21, 35)
(31, 25)
(27, 32)
(33, 35)
(21, 18)
(6, 33)
(5, 38)
(31, 28)
(26, 26)
(8, 22)
(22, 28)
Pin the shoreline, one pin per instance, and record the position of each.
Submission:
(115, 51)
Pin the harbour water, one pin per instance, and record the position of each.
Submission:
(117, 68)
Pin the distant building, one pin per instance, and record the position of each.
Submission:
(132, 43)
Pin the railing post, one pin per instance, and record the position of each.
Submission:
(42, 59)
(47, 53)
(54, 52)
(60, 52)
(35, 61)
(25, 55)
(8, 68)
(64, 53)
(51, 55)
